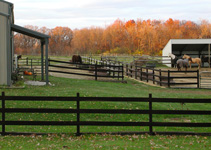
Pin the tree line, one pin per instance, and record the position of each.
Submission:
(121, 37)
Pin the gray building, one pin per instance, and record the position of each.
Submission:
(7, 27)
(6, 42)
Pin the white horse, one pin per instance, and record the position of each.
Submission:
(172, 56)
(173, 59)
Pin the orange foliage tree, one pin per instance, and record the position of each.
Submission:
(60, 41)
(129, 37)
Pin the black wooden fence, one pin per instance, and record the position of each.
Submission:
(5, 121)
(164, 77)
(93, 70)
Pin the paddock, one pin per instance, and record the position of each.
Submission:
(171, 77)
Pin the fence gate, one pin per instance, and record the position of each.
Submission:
(205, 79)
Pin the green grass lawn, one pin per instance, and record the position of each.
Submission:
(87, 88)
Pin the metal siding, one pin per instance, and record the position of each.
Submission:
(9, 49)
(167, 49)
(4, 44)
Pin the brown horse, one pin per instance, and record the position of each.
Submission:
(193, 60)
(76, 59)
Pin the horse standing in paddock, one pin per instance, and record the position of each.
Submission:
(174, 59)
(193, 60)
(205, 59)
(182, 63)
(76, 59)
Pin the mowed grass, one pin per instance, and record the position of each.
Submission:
(87, 88)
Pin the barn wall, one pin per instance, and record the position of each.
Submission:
(167, 49)
(5, 45)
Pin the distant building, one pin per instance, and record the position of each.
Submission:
(192, 47)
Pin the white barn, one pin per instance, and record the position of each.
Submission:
(192, 47)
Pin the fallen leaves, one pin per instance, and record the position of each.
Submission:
(104, 141)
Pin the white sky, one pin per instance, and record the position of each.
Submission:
(86, 13)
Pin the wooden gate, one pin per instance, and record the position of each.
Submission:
(205, 79)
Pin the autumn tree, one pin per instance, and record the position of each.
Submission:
(60, 41)
(205, 29)
(26, 44)
(129, 37)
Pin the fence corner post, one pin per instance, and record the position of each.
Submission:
(169, 78)
(78, 115)
(150, 114)
(198, 78)
(160, 75)
(3, 113)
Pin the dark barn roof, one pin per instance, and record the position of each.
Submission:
(28, 32)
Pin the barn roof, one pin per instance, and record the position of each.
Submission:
(187, 45)
(190, 41)
(28, 32)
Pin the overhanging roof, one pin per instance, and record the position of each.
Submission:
(28, 32)
(190, 44)
(7, 2)
(190, 41)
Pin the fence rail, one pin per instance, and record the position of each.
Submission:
(97, 70)
(78, 111)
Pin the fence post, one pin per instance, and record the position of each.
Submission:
(126, 69)
(3, 113)
(153, 77)
(96, 71)
(27, 62)
(78, 115)
(197, 78)
(168, 78)
(135, 71)
(118, 70)
(160, 77)
(141, 74)
(114, 68)
(131, 71)
(31, 63)
(147, 74)
(150, 114)
(122, 72)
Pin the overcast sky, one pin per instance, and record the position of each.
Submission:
(87, 13)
